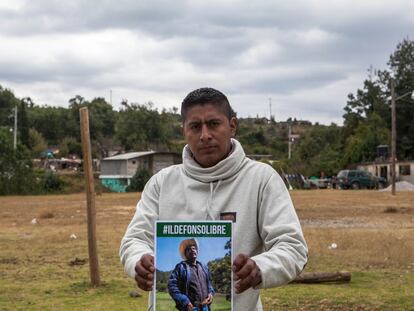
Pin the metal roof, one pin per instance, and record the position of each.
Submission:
(130, 155)
(114, 176)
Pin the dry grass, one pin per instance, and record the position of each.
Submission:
(37, 270)
(367, 236)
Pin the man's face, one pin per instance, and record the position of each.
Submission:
(207, 132)
(191, 252)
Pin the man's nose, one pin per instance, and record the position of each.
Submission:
(205, 132)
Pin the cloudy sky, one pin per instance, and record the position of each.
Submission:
(305, 56)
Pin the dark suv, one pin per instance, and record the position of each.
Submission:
(357, 179)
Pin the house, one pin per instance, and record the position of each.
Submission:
(117, 171)
(404, 170)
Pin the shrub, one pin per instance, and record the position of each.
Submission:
(52, 182)
(138, 181)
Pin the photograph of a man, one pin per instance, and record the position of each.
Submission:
(189, 283)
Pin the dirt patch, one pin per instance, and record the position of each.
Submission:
(78, 261)
(9, 260)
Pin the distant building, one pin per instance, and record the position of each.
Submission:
(294, 137)
(404, 170)
(117, 171)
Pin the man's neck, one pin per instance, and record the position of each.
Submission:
(192, 262)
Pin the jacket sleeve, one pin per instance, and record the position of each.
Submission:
(286, 251)
(174, 290)
(139, 237)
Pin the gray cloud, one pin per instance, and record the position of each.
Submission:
(291, 51)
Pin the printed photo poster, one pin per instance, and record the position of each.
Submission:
(193, 266)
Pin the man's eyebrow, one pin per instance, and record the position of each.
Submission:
(206, 120)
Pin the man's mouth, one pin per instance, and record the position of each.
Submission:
(207, 148)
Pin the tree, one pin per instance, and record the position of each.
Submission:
(37, 143)
(401, 67)
(16, 173)
(362, 146)
(140, 127)
(54, 123)
(102, 118)
(319, 149)
(367, 120)
(7, 103)
(70, 146)
(370, 99)
(220, 272)
(23, 123)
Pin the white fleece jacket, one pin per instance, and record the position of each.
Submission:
(267, 227)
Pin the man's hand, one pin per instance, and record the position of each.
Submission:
(208, 300)
(144, 272)
(247, 273)
(190, 306)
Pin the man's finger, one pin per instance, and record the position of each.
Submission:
(144, 275)
(247, 282)
(144, 283)
(239, 262)
(246, 269)
(148, 262)
(142, 271)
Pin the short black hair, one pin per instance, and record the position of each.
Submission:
(207, 95)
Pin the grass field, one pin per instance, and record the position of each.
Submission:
(374, 233)
(165, 303)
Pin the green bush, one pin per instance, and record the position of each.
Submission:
(16, 172)
(52, 182)
(138, 181)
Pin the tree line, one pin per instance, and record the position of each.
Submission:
(367, 121)
(135, 127)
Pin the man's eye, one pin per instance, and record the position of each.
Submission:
(214, 123)
(194, 126)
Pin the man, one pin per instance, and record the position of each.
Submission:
(218, 181)
(189, 283)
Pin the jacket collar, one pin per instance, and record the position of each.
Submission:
(222, 170)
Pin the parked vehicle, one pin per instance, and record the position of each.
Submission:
(357, 179)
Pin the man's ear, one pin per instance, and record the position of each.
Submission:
(233, 126)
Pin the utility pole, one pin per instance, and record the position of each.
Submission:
(15, 129)
(110, 97)
(393, 136)
(394, 99)
(290, 140)
(270, 108)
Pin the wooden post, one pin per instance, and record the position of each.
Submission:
(322, 277)
(90, 197)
